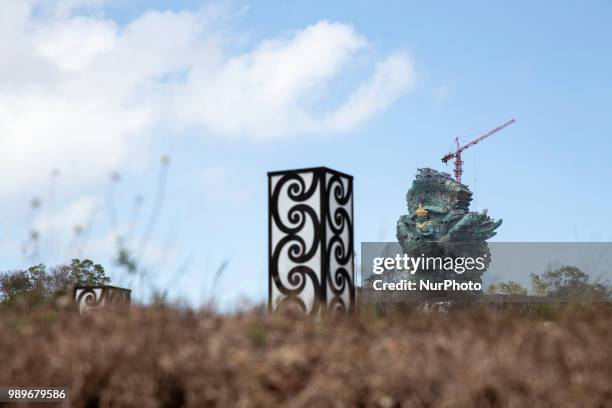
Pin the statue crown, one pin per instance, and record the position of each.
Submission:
(421, 212)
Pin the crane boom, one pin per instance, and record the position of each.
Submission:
(457, 153)
(484, 136)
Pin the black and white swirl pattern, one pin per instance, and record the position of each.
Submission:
(89, 298)
(339, 244)
(96, 297)
(295, 242)
(311, 241)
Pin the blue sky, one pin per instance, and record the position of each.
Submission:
(459, 69)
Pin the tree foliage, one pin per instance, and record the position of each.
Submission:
(39, 284)
(507, 288)
(564, 282)
(569, 283)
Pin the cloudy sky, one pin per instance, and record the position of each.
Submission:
(154, 124)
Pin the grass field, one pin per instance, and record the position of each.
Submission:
(164, 357)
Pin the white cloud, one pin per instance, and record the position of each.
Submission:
(74, 44)
(64, 8)
(391, 78)
(75, 214)
(265, 93)
(81, 93)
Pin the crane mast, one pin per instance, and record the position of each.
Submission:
(457, 153)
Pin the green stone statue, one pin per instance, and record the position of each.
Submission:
(439, 223)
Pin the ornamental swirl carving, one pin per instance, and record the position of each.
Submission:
(291, 191)
(95, 297)
(89, 298)
(311, 241)
(340, 245)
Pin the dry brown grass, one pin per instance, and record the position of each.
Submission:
(169, 358)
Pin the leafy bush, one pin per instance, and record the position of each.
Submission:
(39, 285)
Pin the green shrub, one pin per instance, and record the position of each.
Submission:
(39, 285)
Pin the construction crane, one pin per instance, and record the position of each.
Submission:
(457, 153)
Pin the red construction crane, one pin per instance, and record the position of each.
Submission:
(457, 154)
